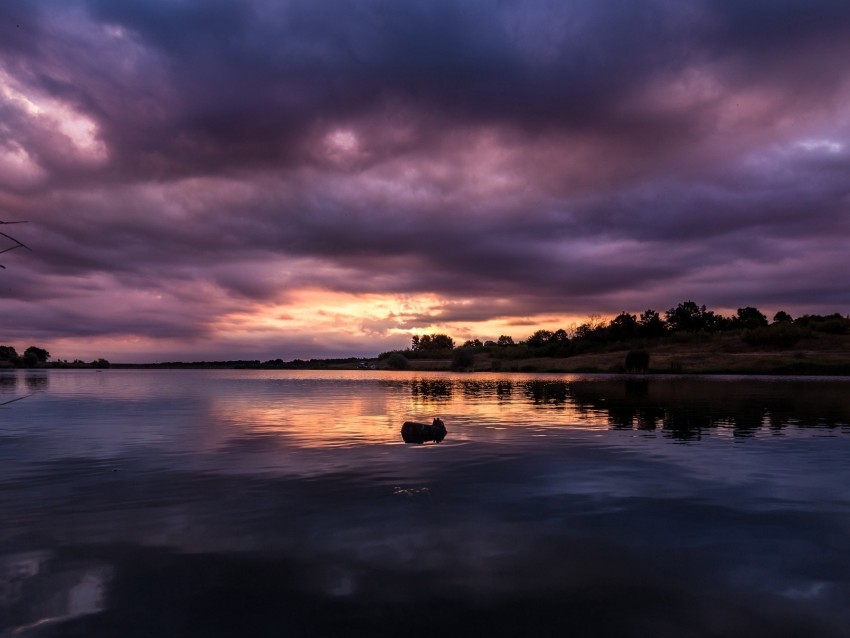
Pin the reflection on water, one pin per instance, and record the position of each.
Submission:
(38, 589)
(431, 389)
(36, 381)
(683, 405)
(8, 382)
(219, 503)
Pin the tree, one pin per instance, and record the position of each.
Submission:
(8, 353)
(749, 317)
(623, 327)
(651, 324)
(722, 323)
(689, 317)
(505, 340)
(34, 356)
(429, 343)
(473, 343)
(420, 344)
(539, 339)
(442, 342)
(782, 317)
(583, 332)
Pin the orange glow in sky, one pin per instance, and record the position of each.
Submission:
(378, 317)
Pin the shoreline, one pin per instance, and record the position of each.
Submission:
(817, 355)
(799, 363)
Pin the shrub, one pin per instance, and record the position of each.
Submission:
(691, 337)
(637, 361)
(397, 361)
(779, 335)
(833, 326)
(462, 358)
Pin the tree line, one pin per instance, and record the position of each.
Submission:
(687, 320)
(35, 357)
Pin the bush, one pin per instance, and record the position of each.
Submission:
(397, 361)
(779, 335)
(462, 358)
(691, 337)
(833, 326)
(637, 361)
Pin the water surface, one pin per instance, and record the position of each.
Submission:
(219, 503)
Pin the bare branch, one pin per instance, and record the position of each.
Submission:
(17, 242)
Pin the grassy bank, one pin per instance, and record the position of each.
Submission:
(819, 354)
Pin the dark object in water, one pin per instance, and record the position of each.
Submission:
(413, 432)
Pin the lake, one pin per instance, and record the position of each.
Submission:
(278, 503)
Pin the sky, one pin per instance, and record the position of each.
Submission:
(254, 179)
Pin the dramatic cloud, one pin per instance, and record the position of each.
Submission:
(235, 179)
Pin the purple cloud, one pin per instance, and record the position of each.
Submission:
(185, 164)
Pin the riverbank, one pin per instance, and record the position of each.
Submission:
(725, 354)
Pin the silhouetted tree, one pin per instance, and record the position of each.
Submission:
(651, 324)
(442, 342)
(473, 343)
(782, 317)
(539, 339)
(623, 327)
(429, 343)
(689, 317)
(505, 340)
(8, 353)
(34, 356)
(583, 332)
(725, 323)
(749, 317)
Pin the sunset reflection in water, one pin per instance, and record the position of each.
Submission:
(315, 409)
(143, 502)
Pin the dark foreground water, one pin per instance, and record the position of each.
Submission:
(228, 503)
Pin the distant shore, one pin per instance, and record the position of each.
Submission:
(725, 354)
(690, 339)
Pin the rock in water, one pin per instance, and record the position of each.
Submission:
(414, 432)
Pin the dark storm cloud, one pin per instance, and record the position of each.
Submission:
(238, 82)
(554, 157)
